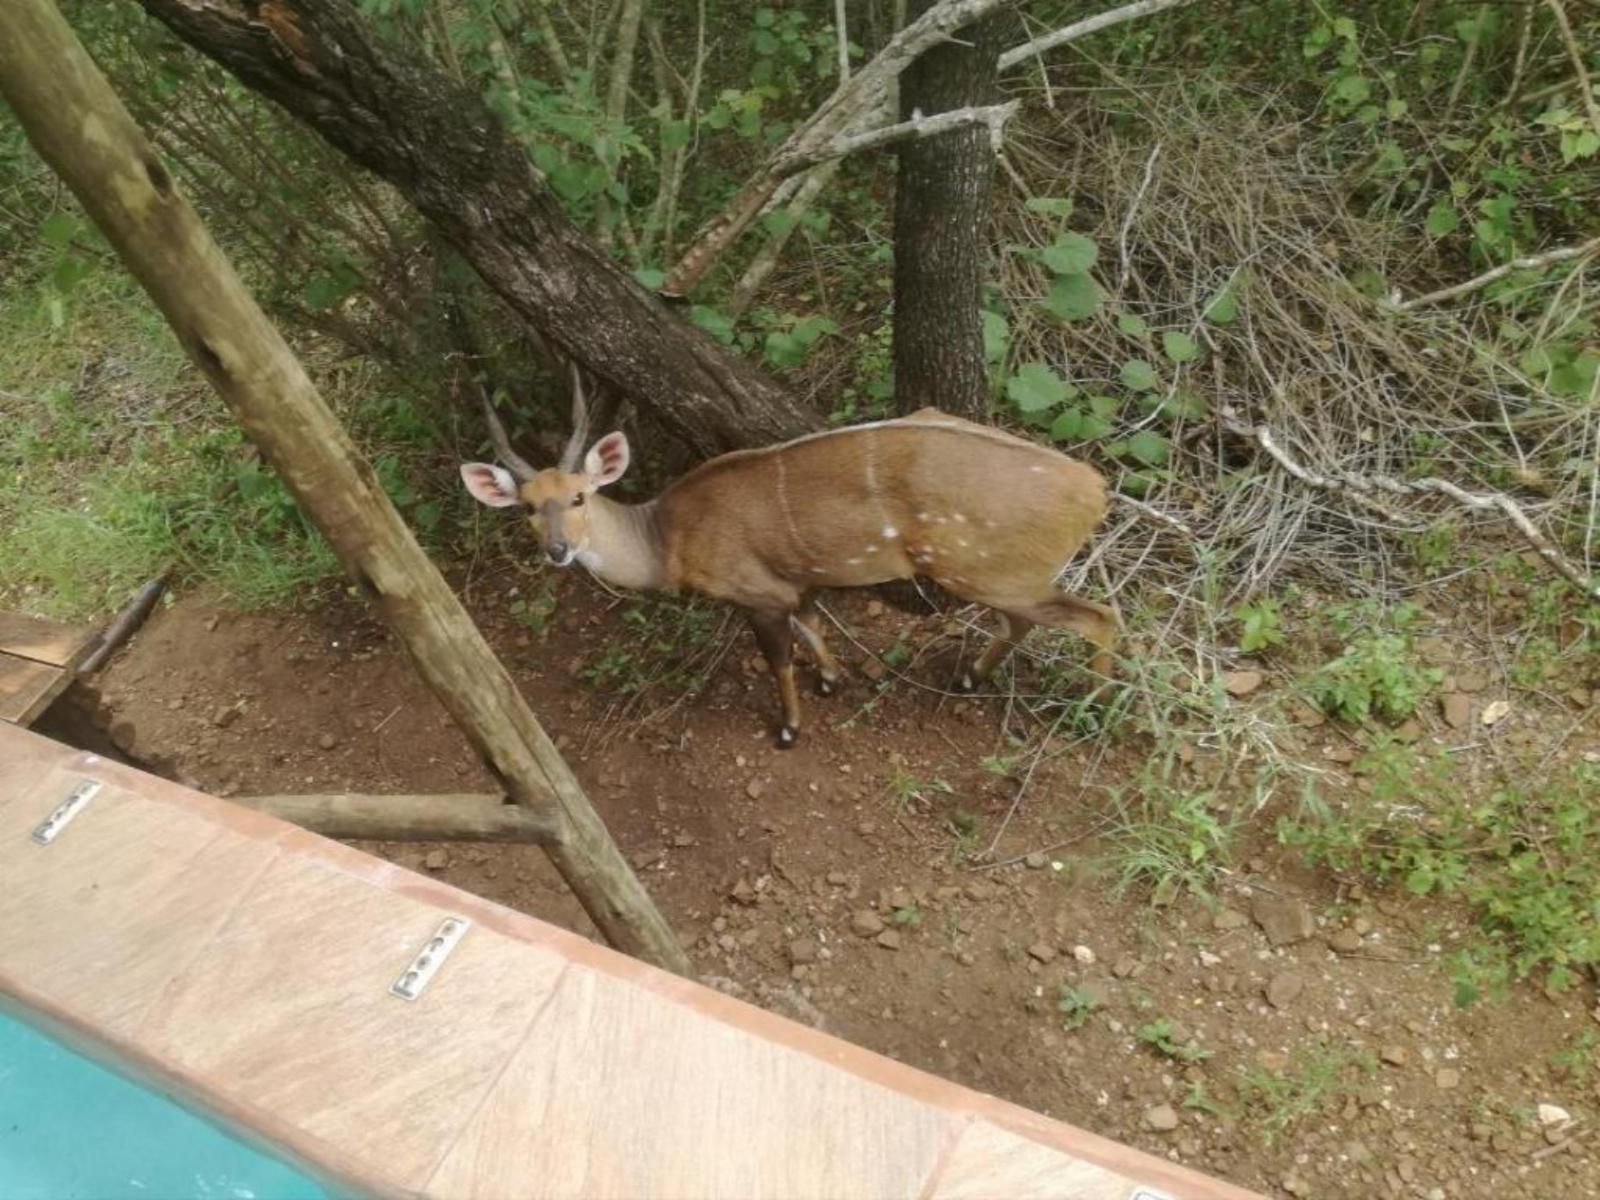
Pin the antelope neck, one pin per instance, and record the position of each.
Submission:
(624, 544)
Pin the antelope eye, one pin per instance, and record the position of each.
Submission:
(577, 501)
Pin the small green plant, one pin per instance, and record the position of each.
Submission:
(907, 914)
(1260, 625)
(1375, 676)
(1161, 1036)
(1580, 1058)
(1168, 838)
(1076, 1005)
(912, 791)
(535, 612)
(1278, 1101)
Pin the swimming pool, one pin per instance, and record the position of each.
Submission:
(72, 1130)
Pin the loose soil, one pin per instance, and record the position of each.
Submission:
(829, 883)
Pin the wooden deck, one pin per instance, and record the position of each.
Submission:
(38, 659)
(246, 966)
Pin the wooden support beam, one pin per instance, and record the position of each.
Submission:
(456, 817)
(81, 128)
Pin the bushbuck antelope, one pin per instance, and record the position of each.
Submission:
(990, 517)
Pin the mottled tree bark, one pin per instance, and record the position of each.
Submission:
(940, 213)
(391, 111)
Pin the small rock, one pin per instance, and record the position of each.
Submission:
(1553, 1114)
(1042, 951)
(1275, 1061)
(1362, 926)
(1229, 918)
(1495, 711)
(1125, 966)
(803, 951)
(1083, 955)
(874, 608)
(1471, 681)
(1284, 919)
(1035, 861)
(437, 860)
(866, 923)
(1163, 1118)
(743, 893)
(1446, 1078)
(753, 789)
(1284, 987)
(648, 858)
(873, 669)
(838, 878)
(1395, 1056)
(1296, 1185)
(888, 939)
(1408, 730)
(1345, 941)
(1208, 959)
(225, 716)
(327, 741)
(1241, 683)
(1456, 709)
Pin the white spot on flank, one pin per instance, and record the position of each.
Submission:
(818, 571)
(962, 517)
(872, 549)
(922, 516)
(889, 531)
(962, 542)
(1037, 470)
(853, 561)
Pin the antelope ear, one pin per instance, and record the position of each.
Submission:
(607, 460)
(490, 485)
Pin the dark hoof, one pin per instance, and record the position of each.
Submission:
(825, 686)
(786, 738)
(966, 683)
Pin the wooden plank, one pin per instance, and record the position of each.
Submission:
(43, 641)
(27, 687)
(447, 817)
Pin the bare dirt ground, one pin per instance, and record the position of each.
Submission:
(828, 883)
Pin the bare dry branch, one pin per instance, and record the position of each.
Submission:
(1585, 88)
(994, 116)
(1083, 28)
(1532, 262)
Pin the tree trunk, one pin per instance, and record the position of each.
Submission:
(81, 129)
(388, 109)
(940, 217)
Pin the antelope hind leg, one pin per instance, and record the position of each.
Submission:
(808, 624)
(1013, 628)
(1094, 622)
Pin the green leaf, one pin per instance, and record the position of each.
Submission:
(809, 329)
(650, 277)
(1442, 219)
(779, 222)
(1344, 27)
(717, 324)
(1179, 347)
(1050, 206)
(1103, 406)
(1133, 326)
(784, 349)
(996, 336)
(1071, 254)
(1035, 387)
(1073, 297)
(1149, 447)
(1139, 375)
(1067, 426)
(60, 228)
(1353, 89)
(674, 133)
(1223, 308)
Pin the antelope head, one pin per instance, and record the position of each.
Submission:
(557, 498)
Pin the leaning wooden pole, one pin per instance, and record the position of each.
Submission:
(79, 126)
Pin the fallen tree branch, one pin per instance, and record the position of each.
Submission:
(1533, 262)
(994, 116)
(1083, 28)
(132, 616)
(1361, 487)
(459, 817)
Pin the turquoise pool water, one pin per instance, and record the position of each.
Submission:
(72, 1130)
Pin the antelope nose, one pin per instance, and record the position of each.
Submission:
(559, 553)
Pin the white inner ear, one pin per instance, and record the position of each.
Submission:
(490, 484)
(607, 460)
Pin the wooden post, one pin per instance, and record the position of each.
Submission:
(82, 130)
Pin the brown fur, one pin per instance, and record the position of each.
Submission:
(990, 517)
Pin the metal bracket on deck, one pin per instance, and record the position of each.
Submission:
(414, 979)
(1144, 1193)
(69, 808)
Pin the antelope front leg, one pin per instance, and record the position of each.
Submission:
(776, 638)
